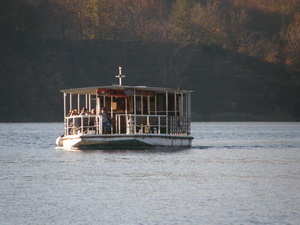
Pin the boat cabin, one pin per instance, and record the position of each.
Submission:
(132, 109)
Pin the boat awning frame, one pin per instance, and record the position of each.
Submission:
(93, 90)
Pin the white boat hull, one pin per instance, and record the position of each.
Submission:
(119, 141)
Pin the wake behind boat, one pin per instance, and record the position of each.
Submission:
(118, 117)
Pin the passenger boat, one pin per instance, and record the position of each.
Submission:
(140, 117)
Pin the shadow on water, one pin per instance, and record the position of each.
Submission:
(224, 147)
(156, 150)
(153, 150)
(202, 147)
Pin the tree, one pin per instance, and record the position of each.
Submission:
(207, 24)
(181, 12)
(292, 46)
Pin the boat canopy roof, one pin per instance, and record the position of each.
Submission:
(93, 90)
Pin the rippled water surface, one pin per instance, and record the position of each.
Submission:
(235, 173)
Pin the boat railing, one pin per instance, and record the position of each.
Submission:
(128, 124)
(155, 124)
(85, 124)
(179, 125)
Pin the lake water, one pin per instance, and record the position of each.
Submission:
(235, 173)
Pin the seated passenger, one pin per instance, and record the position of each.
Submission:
(84, 111)
(84, 120)
(74, 112)
(70, 113)
(93, 111)
(92, 119)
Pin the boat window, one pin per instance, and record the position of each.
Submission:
(161, 103)
(145, 105)
(152, 105)
(171, 102)
(120, 104)
(130, 104)
(138, 104)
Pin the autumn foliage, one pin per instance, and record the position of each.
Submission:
(265, 29)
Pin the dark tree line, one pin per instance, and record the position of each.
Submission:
(39, 37)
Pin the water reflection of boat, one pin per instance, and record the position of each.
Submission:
(140, 117)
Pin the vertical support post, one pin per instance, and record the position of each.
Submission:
(71, 105)
(81, 124)
(98, 105)
(190, 106)
(155, 104)
(118, 124)
(126, 105)
(134, 109)
(89, 108)
(65, 114)
(186, 105)
(86, 101)
(167, 112)
(175, 103)
(182, 108)
(167, 104)
(111, 113)
(149, 112)
(78, 103)
(148, 104)
(65, 106)
(190, 113)
(111, 106)
(142, 105)
(175, 122)
(159, 124)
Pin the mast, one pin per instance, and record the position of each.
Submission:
(120, 76)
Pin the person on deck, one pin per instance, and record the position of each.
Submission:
(84, 111)
(93, 111)
(92, 121)
(106, 121)
(74, 112)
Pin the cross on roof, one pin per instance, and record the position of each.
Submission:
(120, 76)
